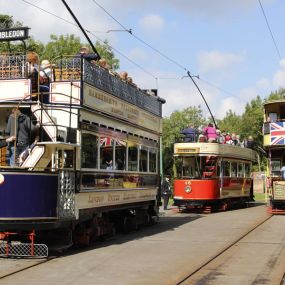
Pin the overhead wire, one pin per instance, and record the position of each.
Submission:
(123, 55)
(161, 53)
(270, 31)
(92, 33)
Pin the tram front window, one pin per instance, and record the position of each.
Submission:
(190, 167)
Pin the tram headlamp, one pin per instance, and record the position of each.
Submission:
(187, 189)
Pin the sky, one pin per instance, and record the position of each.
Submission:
(226, 43)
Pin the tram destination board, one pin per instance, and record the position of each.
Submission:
(14, 34)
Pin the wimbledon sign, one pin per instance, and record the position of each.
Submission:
(14, 34)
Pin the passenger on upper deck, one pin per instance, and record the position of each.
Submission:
(250, 143)
(210, 133)
(33, 73)
(33, 70)
(85, 53)
(123, 75)
(220, 137)
(190, 133)
(45, 73)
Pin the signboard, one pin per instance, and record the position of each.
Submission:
(101, 101)
(279, 190)
(14, 34)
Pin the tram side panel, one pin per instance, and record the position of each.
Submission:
(25, 197)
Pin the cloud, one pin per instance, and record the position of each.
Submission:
(229, 103)
(152, 22)
(211, 61)
(278, 80)
(137, 54)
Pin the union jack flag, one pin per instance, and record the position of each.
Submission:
(107, 141)
(277, 133)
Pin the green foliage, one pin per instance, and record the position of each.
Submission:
(106, 52)
(230, 123)
(252, 120)
(172, 126)
(280, 94)
(60, 45)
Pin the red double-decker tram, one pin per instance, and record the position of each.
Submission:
(212, 176)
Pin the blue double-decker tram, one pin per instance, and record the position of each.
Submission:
(92, 163)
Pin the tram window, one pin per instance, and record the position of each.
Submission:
(132, 157)
(273, 117)
(240, 170)
(233, 169)
(106, 152)
(89, 153)
(189, 167)
(143, 158)
(247, 170)
(275, 167)
(152, 160)
(226, 166)
(120, 155)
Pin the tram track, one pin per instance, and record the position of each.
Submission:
(187, 279)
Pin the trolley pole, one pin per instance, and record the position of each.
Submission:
(191, 77)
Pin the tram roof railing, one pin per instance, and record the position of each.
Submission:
(75, 68)
(12, 66)
(215, 149)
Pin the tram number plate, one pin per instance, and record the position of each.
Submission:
(279, 191)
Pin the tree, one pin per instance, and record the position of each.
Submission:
(57, 46)
(230, 123)
(70, 45)
(172, 126)
(7, 22)
(61, 45)
(252, 120)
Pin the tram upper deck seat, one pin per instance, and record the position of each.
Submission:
(7, 72)
(66, 74)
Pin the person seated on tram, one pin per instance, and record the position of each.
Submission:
(250, 143)
(190, 133)
(228, 138)
(210, 133)
(33, 70)
(130, 81)
(123, 75)
(235, 139)
(45, 73)
(220, 137)
(33, 73)
(85, 53)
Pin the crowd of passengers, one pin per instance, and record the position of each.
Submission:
(212, 134)
(42, 75)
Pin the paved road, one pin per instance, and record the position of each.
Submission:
(161, 254)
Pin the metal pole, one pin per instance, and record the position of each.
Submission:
(81, 28)
(191, 77)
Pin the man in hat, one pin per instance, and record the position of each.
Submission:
(166, 192)
(90, 57)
